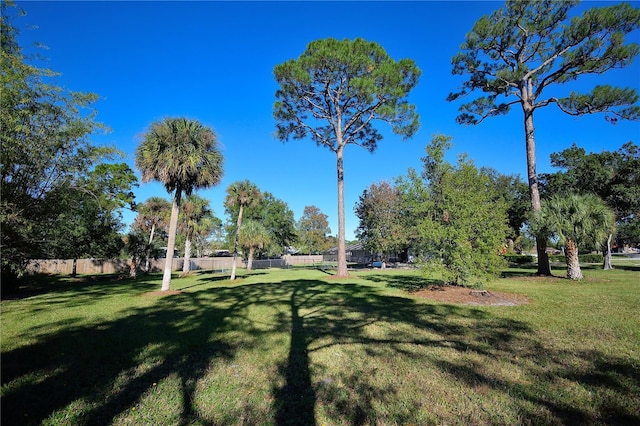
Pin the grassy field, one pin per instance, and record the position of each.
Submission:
(295, 347)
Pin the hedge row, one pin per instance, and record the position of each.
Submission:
(519, 259)
(583, 258)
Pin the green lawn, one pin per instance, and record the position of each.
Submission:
(296, 347)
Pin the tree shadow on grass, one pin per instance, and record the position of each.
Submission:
(325, 317)
(112, 364)
(551, 402)
(404, 282)
(34, 285)
(622, 267)
(517, 273)
(635, 268)
(47, 291)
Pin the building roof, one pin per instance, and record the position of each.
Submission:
(348, 247)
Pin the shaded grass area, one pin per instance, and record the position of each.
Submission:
(298, 348)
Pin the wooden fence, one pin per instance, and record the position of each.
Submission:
(117, 266)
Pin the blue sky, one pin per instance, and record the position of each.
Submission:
(213, 61)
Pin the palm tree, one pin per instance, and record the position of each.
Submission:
(194, 210)
(253, 235)
(152, 214)
(241, 194)
(577, 220)
(183, 155)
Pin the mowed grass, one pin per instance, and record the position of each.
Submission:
(296, 347)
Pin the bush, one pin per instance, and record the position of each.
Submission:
(591, 258)
(519, 259)
(583, 258)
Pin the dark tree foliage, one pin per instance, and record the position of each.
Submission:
(381, 228)
(276, 216)
(55, 192)
(514, 192)
(457, 218)
(614, 176)
(313, 231)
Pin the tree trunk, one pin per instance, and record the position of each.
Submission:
(606, 254)
(250, 258)
(74, 268)
(171, 244)
(573, 262)
(534, 192)
(235, 246)
(133, 267)
(186, 265)
(147, 264)
(342, 256)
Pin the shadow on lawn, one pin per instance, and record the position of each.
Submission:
(628, 267)
(111, 365)
(34, 285)
(104, 364)
(404, 282)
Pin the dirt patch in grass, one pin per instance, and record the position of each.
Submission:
(161, 293)
(468, 296)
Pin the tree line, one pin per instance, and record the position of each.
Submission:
(459, 220)
(63, 196)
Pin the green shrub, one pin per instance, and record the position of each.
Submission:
(584, 258)
(519, 259)
(591, 258)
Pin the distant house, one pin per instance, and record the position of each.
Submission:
(355, 253)
(163, 252)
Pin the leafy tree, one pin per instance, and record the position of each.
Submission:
(577, 220)
(462, 223)
(313, 229)
(46, 154)
(205, 233)
(137, 247)
(253, 235)
(214, 240)
(381, 228)
(277, 218)
(611, 175)
(414, 204)
(527, 47)
(334, 92)
(183, 155)
(195, 218)
(87, 221)
(515, 193)
(153, 215)
(242, 194)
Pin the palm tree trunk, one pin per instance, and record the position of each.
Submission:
(171, 244)
(534, 192)
(186, 266)
(235, 246)
(147, 262)
(606, 254)
(250, 258)
(342, 257)
(133, 267)
(573, 262)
